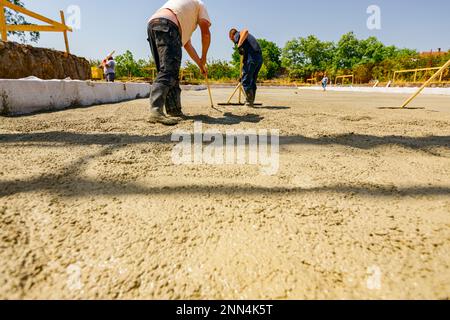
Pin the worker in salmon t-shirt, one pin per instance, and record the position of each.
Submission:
(169, 30)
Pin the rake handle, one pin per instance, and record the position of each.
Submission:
(209, 91)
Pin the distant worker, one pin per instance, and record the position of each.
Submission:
(170, 29)
(109, 69)
(325, 82)
(253, 61)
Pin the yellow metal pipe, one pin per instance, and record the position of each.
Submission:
(344, 77)
(420, 69)
(441, 70)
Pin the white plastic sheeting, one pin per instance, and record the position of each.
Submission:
(24, 96)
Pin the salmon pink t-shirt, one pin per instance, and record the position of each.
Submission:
(188, 13)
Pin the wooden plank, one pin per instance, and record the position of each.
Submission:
(33, 28)
(66, 39)
(33, 15)
(3, 30)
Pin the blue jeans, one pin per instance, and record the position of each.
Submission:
(110, 77)
(252, 66)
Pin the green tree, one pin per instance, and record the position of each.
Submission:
(144, 67)
(293, 59)
(348, 52)
(15, 18)
(371, 50)
(367, 59)
(192, 68)
(306, 56)
(218, 69)
(127, 66)
(271, 59)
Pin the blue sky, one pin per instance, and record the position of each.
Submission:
(121, 25)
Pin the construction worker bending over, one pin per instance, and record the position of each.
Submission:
(170, 29)
(253, 60)
(109, 69)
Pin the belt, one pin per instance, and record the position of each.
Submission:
(163, 21)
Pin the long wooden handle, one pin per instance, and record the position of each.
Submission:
(234, 92)
(209, 91)
(242, 73)
(110, 55)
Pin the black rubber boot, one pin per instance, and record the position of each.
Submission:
(250, 98)
(177, 114)
(173, 103)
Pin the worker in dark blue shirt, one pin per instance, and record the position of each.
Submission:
(253, 61)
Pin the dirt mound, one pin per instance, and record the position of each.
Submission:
(20, 61)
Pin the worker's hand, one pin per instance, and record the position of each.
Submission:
(203, 69)
(203, 63)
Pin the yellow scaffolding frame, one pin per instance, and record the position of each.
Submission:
(189, 75)
(53, 26)
(343, 78)
(440, 71)
(416, 71)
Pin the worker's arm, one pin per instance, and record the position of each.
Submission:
(206, 42)
(243, 37)
(206, 39)
(194, 56)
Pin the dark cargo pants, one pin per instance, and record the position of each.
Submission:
(165, 43)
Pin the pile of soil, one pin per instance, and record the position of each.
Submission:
(21, 61)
